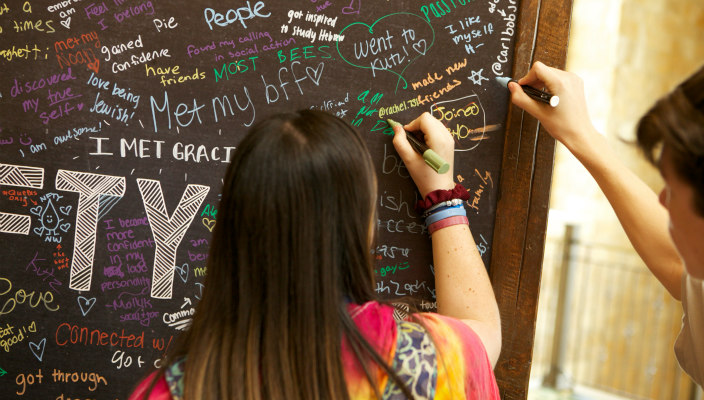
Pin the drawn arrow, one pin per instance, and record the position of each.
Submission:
(187, 301)
(3, 372)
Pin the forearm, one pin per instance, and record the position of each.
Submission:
(637, 207)
(643, 218)
(463, 288)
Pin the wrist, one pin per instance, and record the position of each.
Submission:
(582, 143)
(424, 192)
(593, 151)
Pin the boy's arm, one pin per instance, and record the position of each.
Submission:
(637, 207)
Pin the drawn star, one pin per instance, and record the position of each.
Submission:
(477, 77)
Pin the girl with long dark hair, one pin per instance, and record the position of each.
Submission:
(288, 308)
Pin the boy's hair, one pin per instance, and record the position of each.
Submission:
(677, 122)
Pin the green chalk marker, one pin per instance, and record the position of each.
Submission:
(431, 158)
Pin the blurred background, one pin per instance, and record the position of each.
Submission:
(606, 327)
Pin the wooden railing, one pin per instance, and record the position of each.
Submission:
(604, 322)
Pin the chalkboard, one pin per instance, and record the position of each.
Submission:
(118, 119)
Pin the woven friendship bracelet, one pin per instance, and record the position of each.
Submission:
(444, 223)
(447, 213)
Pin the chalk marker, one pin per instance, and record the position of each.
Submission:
(532, 92)
(430, 157)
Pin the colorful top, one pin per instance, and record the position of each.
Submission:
(448, 363)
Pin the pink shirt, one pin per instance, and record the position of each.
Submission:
(439, 357)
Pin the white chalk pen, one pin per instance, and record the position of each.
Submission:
(532, 92)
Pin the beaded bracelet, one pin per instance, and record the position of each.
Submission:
(447, 213)
(444, 223)
(442, 205)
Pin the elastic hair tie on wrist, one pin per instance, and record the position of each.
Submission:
(438, 196)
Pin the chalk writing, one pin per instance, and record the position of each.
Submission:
(439, 9)
(386, 46)
(9, 337)
(231, 16)
(78, 50)
(461, 114)
(470, 33)
(391, 269)
(20, 297)
(133, 110)
(509, 21)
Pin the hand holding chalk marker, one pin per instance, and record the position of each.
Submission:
(532, 92)
(429, 156)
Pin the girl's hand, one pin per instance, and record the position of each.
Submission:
(438, 138)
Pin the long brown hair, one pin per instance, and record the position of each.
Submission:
(677, 121)
(290, 248)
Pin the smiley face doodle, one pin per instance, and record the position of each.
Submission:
(50, 219)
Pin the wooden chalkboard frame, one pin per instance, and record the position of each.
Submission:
(524, 194)
(541, 33)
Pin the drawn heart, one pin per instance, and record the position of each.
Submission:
(36, 210)
(316, 73)
(38, 231)
(65, 209)
(32, 327)
(65, 227)
(382, 46)
(183, 272)
(67, 23)
(38, 349)
(94, 65)
(85, 304)
(417, 46)
(209, 223)
(79, 106)
(351, 9)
